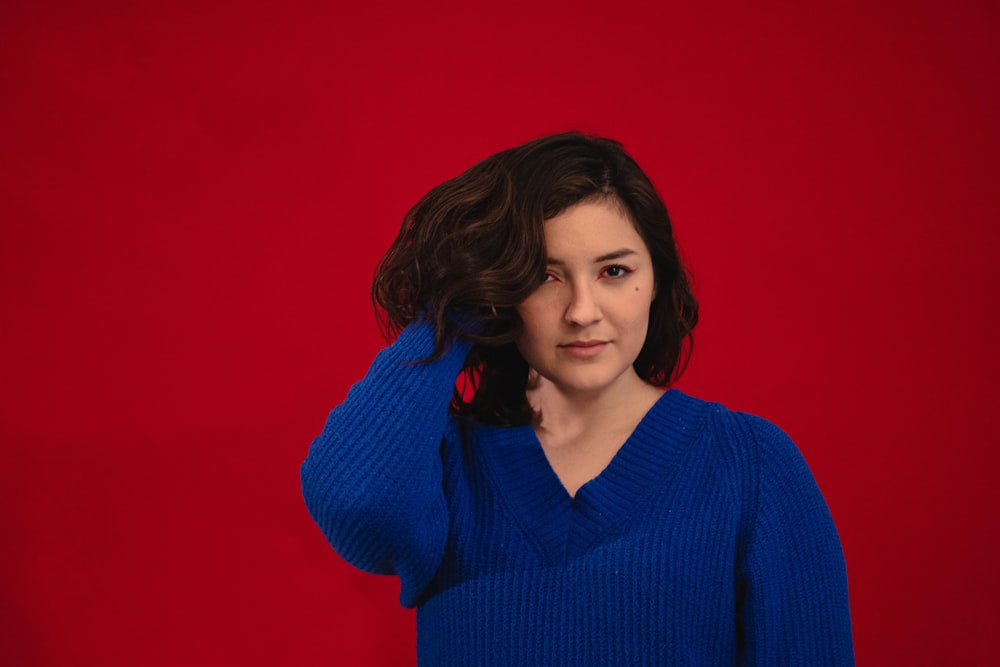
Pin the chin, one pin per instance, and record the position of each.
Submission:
(585, 383)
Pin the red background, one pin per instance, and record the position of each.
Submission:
(193, 198)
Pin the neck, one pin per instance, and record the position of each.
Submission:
(561, 411)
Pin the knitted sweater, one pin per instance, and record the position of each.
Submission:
(704, 542)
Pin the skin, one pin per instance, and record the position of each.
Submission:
(582, 329)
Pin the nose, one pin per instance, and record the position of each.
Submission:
(582, 309)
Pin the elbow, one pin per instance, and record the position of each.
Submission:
(356, 524)
(382, 532)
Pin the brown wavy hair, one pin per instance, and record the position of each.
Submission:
(472, 249)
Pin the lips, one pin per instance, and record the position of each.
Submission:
(584, 349)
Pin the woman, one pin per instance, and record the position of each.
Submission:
(559, 507)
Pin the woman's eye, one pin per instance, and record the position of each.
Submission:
(616, 271)
(548, 278)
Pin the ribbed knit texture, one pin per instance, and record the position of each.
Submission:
(704, 542)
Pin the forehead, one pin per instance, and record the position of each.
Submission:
(590, 229)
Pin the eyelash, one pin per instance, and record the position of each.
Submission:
(624, 271)
(617, 267)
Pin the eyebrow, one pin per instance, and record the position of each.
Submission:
(616, 254)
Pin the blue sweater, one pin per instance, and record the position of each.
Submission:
(704, 542)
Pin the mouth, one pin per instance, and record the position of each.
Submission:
(585, 343)
(584, 349)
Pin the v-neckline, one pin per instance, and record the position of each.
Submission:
(561, 525)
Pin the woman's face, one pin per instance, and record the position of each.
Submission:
(586, 323)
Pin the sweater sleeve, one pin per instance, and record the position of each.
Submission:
(373, 478)
(795, 606)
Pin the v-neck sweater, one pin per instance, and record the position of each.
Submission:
(705, 541)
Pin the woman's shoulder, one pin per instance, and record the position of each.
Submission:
(749, 437)
(766, 467)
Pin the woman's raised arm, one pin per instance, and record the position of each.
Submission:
(372, 479)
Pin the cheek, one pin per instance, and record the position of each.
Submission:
(636, 308)
(536, 313)
(533, 326)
